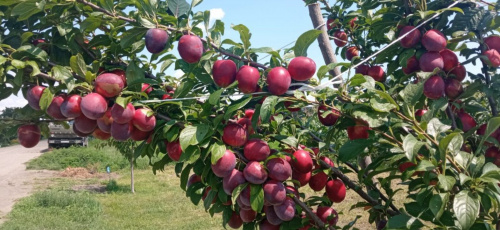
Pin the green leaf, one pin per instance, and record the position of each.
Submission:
(123, 101)
(374, 119)
(192, 135)
(30, 52)
(438, 203)
(267, 108)
(452, 142)
(215, 97)
(352, 149)
(424, 165)
(446, 183)
(178, 7)
(27, 8)
(107, 5)
(323, 70)
(18, 64)
(191, 154)
(185, 176)
(304, 41)
(245, 35)
(493, 125)
(491, 173)
(235, 105)
(411, 146)
(435, 127)
(237, 191)
(45, 99)
(379, 105)
(288, 140)
(466, 208)
(78, 65)
(256, 197)
(403, 221)
(412, 93)
(34, 68)
(134, 75)
(131, 36)
(217, 149)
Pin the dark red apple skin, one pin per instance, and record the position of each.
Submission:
(341, 38)
(109, 85)
(230, 182)
(330, 119)
(351, 52)
(302, 68)
(318, 181)
(122, 115)
(420, 112)
(271, 215)
(352, 23)
(412, 65)
(242, 204)
(460, 72)
(302, 162)
(138, 135)
(79, 133)
(235, 135)
(327, 215)
(104, 123)
(434, 40)
(156, 40)
(274, 192)
(245, 195)
(279, 169)
(493, 42)
(142, 122)
(492, 152)
(453, 88)
(247, 216)
(224, 73)
(249, 113)
(248, 77)
(94, 106)
(362, 69)
(493, 57)
(121, 132)
(247, 124)
(256, 150)
(482, 129)
(286, 210)
(174, 150)
(71, 108)
(122, 74)
(28, 135)
(434, 87)
(467, 121)
(377, 73)
(359, 131)
(411, 39)
(335, 190)
(146, 88)
(265, 225)
(303, 178)
(85, 124)
(431, 60)
(450, 59)
(190, 48)
(404, 166)
(235, 221)
(330, 24)
(225, 165)
(326, 160)
(278, 81)
(255, 173)
(34, 95)
(54, 109)
(99, 134)
(192, 180)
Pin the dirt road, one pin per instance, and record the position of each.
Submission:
(15, 181)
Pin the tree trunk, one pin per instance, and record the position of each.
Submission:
(132, 187)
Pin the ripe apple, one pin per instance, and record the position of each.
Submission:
(450, 59)
(302, 178)
(235, 221)
(362, 69)
(28, 135)
(434, 87)
(493, 42)
(85, 124)
(278, 80)
(142, 121)
(335, 190)
(453, 88)
(247, 124)
(327, 215)
(482, 129)
(330, 23)
(255, 173)
(302, 161)
(420, 112)
(109, 85)
(138, 135)
(351, 52)
(249, 113)
(247, 215)
(121, 132)
(94, 106)
(492, 152)
(146, 88)
(467, 121)
(247, 78)
(318, 181)
(80, 133)
(190, 48)
(156, 40)
(279, 169)
(274, 192)
(412, 65)
(122, 74)
(411, 39)
(225, 165)
(231, 181)
(434, 40)
(352, 23)
(70, 108)
(493, 57)
(256, 150)
(174, 150)
(404, 166)
(104, 123)
(54, 109)
(34, 95)
(192, 180)
(331, 118)
(340, 38)
(459, 72)
(224, 72)
(271, 215)
(99, 134)
(377, 73)
(122, 115)
(325, 159)
(235, 135)
(431, 60)
(286, 210)
(302, 68)
(358, 131)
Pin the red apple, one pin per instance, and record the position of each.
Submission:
(138, 135)
(330, 23)
(174, 150)
(420, 112)
(493, 42)
(434, 40)
(255, 173)
(122, 74)
(224, 72)
(235, 221)
(28, 135)
(278, 81)
(431, 60)
(329, 119)
(335, 190)
(34, 95)
(362, 69)
(279, 169)
(54, 109)
(99, 134)
(249, 113)
(302, 68)
(156, 40)
(459, 72)
(225, 165)
(351, 52)
(450, 59)
(327, 215)
(377, 73)
(121, 132)
(247, 124)
(359, 131)
(467, 121)
(340, 38)
(122, 115)
(109, 85)
(104, 123)
(286, 210)
(85, 124)
(453, 88)
(411, 39)
(70, 108)
(274, 192)
(94, 106)
(190, 48)
(404, 166)
(289, 106)
(80, 133)
(302, 178)
(146, 88)
(412, 65)
(142, 121)
(493, 57)
(318, 181)
(434, 87)
(302, 161)
(235, 135)
(233, 180)
(247, 78)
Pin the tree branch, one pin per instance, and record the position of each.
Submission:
(95, 7)
(309, 212)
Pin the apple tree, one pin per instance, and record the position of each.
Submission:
(415, 104)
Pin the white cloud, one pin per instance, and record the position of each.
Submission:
(13, 101)
(215, 14)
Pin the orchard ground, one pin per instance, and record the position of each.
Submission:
(81, 195)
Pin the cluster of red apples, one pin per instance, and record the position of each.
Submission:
(91, 113)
